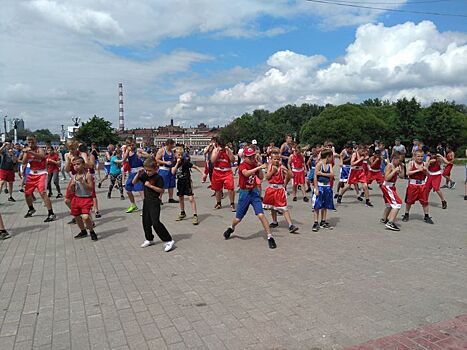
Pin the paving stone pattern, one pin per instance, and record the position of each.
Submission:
(324, 290)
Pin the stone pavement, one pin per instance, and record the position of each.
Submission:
(326, 290)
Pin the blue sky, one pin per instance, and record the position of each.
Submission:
(205, 61)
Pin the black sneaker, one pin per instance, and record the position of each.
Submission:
(360, 199)
(315, 227)
(108, 195)
(368, 204)
(306, 199)
(293, 229)
(4, 235)
(336, 196)
(72, 221)
(49, 194)
(405, 217)
(444, 204)
(50, 218)
(273, 224)
(59, 195)
(122, 197)
(30, 213)
(11, 199)
(428, 220)
(272, 243)
(228, 232)
(392, 226)
(383, 221)
(93, 236)
(308, 190)
(6, 190)
(173, 200)
(339, 199)
(294, 199)
(465, 198)
(99, 185)
(324, 224)
(453, 185)
(81, 235)
(370, 188)
(98, 215)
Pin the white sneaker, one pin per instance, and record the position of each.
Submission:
(147, 244)
(168, 246)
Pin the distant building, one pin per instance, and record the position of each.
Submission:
(20, 124)
(195, 137)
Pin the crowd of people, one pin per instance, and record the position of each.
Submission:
(264, 176)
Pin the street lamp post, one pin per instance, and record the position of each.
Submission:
(15, 128)
(4, 126)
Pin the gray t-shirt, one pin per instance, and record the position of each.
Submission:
(400, 149)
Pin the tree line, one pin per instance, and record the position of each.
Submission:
(373, 119)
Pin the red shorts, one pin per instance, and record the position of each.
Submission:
(391, 198)
(35, 181)
(447, 170)
(222, 180)
(275, 198)
(356, 176)
(433, 182)
(298, 177)
(126, 167)
(206, 168)
(81, 206)
(416, 193)
(374, 175)
(7, 175)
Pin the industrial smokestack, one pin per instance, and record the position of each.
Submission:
(121, 119)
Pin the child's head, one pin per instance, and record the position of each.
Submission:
(150, 166)
(418, 156)
(396, 159)
(276, 159)
(78, 164)
(50, 150)
(298, 149)
(249, 154)
(326, 154)
(178, 152)
(118, 152)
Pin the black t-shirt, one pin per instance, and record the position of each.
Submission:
(183, 171)
(95, 154)
(6, 163)
(155, 180)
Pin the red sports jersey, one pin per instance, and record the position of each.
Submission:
(376, 165)
(223, 160)
(298, 162)
(434, 167)
(277, 178)
(246, 183)
(52, 167)
(36, 163)
(417, 176)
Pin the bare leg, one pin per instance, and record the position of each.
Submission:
(193, 204)
(392, 214)
(231, 196)
(287, 217)
(265, 224)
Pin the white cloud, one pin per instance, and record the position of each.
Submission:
(405, 60)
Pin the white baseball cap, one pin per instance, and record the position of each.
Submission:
(254, 142)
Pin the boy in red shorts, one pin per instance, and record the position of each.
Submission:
(416, 188)
(275, 197)
(392, 200)
(433, 182)
(82, 185)
(296, 165)
(8, 161)
(448, 168)
(222, 175)
(357, 175)
(249, 194)
(37, 178)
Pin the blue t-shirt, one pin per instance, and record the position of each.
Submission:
(115, 168)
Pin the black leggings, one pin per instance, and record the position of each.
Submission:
(151, 219)
(53, 176)
(118, 180)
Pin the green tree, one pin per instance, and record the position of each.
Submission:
(408, 113)
(442, 122)
(343, 123)
(97, 130)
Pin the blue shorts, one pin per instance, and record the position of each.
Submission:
(324, 200)
(107, 169)
(311, 175)
(129, 187)
(26, 173)
(344, 174)
(246, 198)
(169, 178)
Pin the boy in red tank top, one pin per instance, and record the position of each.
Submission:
(433, 182)
(448, 168)
(275, 197)
(416, 188)
(222, 175)
(249, 194)
(392, 200)
(37, 178)
(296, 165)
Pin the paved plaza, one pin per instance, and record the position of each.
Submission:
(330, 289)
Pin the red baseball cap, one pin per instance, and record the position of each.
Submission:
(248, 152)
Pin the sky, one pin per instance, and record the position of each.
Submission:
(211, 61)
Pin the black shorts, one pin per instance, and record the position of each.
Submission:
(184, 187)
